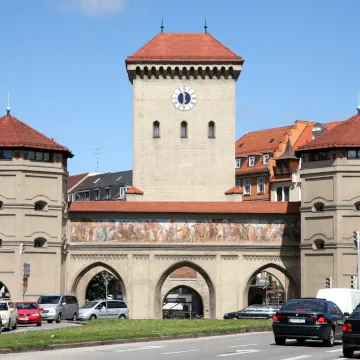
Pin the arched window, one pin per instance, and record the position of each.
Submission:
(319, 206)
(1, 205)
(40, 205)
(318, 244)
(184, 129)
(39, 243)
(156, 129)
(211, 130)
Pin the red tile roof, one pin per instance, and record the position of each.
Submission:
(233, 190)
(75, 179)
(256, 207)
(262, 141)
(15, 134)
(172, 47)
(343, 134)
(134, 190)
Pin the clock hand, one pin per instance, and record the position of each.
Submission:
(184, 97)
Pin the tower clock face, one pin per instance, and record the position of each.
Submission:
(184, 98)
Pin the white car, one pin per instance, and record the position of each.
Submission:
(8, 314)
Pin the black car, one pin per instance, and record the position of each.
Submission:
(308, 318)
(351, 334)
(253, 312)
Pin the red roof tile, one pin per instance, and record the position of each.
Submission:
(75, 179)
(15, 134)
(134, 190)
(172, 47)
(256, 207)
(342, 134)
(233, 190)
(262, 141)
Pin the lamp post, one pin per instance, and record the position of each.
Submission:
(106, 280)
(357, 244)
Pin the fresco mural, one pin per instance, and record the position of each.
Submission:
(184, 272)
(186, 231)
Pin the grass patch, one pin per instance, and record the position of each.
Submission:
(105, 330)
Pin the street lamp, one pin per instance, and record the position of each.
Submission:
(357, 244)
(106, 277)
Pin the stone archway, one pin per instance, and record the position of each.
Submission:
(83, 278)
(4, 291)
(209, 300)
(278, 272)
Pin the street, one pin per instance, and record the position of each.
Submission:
(44, 326)
(245, 346)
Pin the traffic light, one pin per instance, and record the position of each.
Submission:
(353, 281)
(329, 282)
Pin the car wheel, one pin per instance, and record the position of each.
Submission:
(331, 339)
(15, 326)
(74, 317)
(58, 319)
(50, 321)
(280, 340)
(122, 317)
(300, 341)
(92, 317)
(348, 353)
(38, 324)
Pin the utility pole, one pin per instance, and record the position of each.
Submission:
(97, 153)
(357, 244)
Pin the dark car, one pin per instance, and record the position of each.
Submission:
(309, 318)
(253, 312)
(180, 314)
(351, 334)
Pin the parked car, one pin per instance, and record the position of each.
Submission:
(97, 310)
(308, 318)
(345, 299)
(351, 334)
(8, 314)
(59, 307)
(29, 312)
(253, 312)
(180, 314)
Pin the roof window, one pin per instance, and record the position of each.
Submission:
(119, 178)
(97, 180)
(271, 141)
(241, 145)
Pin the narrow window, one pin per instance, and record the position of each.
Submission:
(266, 158)
(184, 129)
(107, 193)
(237, 163)
(97, 194)
(279, 196)
(247, 187)
(286, 193)
(40, 205)
(156, 129)
(261, 185)
(211, 130)
(251, 160)
(237, 183)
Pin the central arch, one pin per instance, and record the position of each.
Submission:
(158, 296)
(4, 291)
(84, 277)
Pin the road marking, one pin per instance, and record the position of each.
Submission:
(179, 352)
(141, 348)
(242, 345)
(336, 350)
(298, 357)
(241, 352)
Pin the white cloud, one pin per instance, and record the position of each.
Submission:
(94, 7)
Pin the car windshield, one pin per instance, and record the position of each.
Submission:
(3, 306)
(304, 305)
(49, 300)
(90, 305)
(26, 306)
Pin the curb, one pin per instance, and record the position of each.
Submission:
(130, 341)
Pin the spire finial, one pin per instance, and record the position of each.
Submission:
(162, 25)
(358, 107)
(8, 108)
(205, 26)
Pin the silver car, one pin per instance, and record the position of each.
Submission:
(96, 309)
(58, 307)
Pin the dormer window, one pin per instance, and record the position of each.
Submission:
(251, 160)
(237, 163)
(107, 193)
(97, 194)
(266, 158)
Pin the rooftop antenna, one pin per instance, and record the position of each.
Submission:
(162, 25)
(205, 26)
(97, 153)
(358, 107)
(8, 108)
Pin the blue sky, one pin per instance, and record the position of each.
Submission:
(63, 63)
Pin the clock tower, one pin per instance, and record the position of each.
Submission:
(184, 118)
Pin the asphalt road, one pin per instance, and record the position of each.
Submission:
(245, 347)
(44, 326)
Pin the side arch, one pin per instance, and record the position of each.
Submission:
(171, 269)
(292, 283)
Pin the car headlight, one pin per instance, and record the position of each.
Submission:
(52, 311)
(4, 317)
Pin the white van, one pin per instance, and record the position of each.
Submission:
(345, 299)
